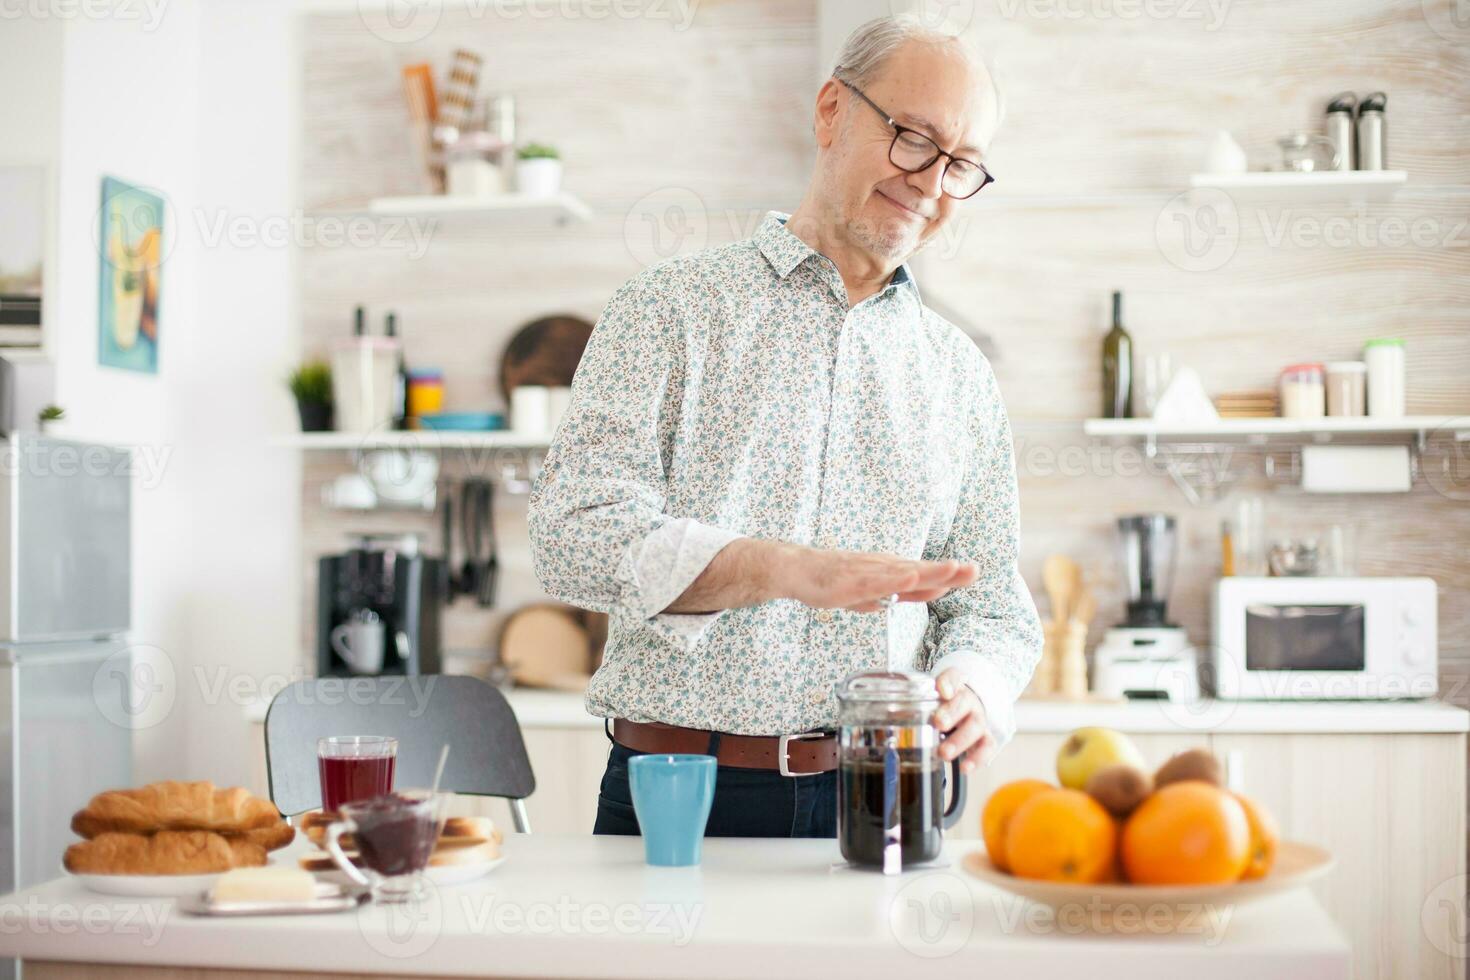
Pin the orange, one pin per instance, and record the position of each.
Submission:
(996, 817)
(1188, 833)
(1062, 835)
(1265, 836)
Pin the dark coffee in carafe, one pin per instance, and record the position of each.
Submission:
(920, 801)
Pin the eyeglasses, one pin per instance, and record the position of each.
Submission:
(913, 152)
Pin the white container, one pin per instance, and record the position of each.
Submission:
(561, 399)
(474, 177)
(1347, 387)
(540, 177)
(363, 373)
(530, 411)
(1386, 384)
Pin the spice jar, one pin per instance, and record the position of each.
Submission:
(1347, 388)
(425, 393)
(1303, 392)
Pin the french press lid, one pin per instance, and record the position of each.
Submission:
(892, 696)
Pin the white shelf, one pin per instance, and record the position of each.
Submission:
(427, 440)
(561, 209)
(1302, 188)
(1263, 429)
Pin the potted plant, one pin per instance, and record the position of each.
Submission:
(311, 384)
(48, 416)
(538, 170)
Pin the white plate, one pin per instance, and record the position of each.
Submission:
(451, 874)
(147, 886)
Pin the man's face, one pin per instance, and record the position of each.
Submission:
(933, 89)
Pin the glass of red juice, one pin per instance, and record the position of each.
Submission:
(355, 767)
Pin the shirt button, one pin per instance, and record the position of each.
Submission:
(824, 615)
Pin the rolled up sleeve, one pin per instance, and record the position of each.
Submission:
(989, 631)
(600, 537)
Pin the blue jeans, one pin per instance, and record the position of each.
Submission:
(748, 802)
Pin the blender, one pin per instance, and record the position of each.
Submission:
(1146, 656)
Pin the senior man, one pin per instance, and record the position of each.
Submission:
(771, 440)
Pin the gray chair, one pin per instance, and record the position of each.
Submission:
(487, 755)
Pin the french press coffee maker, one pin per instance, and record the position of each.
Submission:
(890, 788)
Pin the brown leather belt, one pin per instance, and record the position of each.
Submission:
(804, 754)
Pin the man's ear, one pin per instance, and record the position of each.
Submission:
(828, 112)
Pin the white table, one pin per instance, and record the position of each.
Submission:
(583, 906)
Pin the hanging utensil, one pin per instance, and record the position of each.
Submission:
(481, 565)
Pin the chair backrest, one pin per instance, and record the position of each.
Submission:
(487, 755)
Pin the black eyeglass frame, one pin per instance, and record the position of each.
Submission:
(899, 129)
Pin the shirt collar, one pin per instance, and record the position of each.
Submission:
(784, 251)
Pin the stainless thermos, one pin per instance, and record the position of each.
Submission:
(1372, 132)
(1340, 129)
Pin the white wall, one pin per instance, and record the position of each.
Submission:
(246, 592)
(198, 107)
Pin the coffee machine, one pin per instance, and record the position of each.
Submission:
(378, 609)
(1146, 656)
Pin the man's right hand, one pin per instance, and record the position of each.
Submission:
(859, 580)
(749, 571)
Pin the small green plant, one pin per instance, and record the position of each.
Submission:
(311, 383)
(51, 413)
(538, 151)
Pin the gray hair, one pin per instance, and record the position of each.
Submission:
(868, 48)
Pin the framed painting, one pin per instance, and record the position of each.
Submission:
(130, 244)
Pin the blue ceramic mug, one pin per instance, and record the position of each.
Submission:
(672, 795)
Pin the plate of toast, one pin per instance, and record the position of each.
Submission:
(467, 848)
(171, 838)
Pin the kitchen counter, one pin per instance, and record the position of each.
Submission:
(560, 709)
(583, 906)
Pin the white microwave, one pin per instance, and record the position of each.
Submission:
(1308, 639)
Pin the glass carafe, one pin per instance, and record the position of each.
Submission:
(890, 788)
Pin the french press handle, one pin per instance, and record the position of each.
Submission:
(957, 791)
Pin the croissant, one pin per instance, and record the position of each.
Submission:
(168, 852)
(174, 806)
(271, 838)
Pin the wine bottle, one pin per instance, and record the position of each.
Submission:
(1117, 373)
(400, 378)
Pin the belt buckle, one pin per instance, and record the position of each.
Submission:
(783, 747)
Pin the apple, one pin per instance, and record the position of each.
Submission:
(1087, 750)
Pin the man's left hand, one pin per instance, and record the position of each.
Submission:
(963, 716)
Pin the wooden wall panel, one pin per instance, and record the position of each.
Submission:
(704, 129)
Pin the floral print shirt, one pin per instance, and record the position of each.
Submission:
(732, 392)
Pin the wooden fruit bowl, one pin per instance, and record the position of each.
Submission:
(1296, 865)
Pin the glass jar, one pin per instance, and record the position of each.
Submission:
(1303, 392)
(890, 789)
(1347, 389)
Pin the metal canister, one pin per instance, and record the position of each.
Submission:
(1372, 132)
(1340, 129)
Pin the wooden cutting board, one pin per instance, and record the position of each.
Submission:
(547, 645)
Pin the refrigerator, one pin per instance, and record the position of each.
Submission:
(66, 674)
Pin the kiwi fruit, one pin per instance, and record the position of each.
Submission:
(1192, 764)
(1119, 788)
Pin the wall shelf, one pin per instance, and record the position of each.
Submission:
(1304, 188)
(1200, 458)
(427, 440)
(1264, 430)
